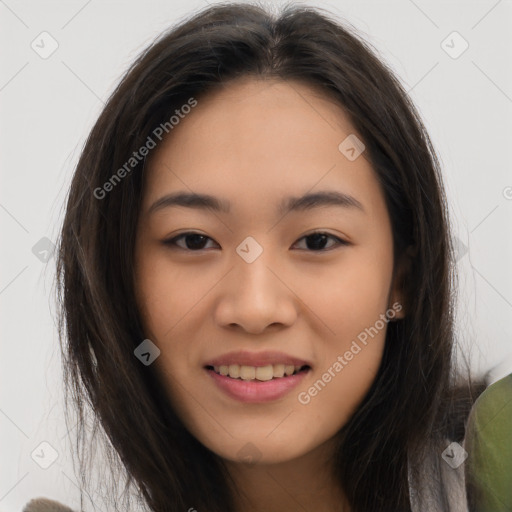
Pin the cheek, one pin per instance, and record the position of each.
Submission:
(166, 293)
(172, 301)
(349, 296)
(353, 307)
(344, 377)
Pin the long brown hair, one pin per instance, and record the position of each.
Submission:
(407, 411)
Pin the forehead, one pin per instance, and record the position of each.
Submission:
(254, 139)
(251, 112)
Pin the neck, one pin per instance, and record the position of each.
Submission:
(304, 483)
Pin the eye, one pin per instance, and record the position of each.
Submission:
(195, 242)
(318, 239)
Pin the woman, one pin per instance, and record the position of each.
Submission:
(256, 276)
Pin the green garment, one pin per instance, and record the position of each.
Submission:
(489, 446)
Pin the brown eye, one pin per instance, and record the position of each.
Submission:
(193, 241)
(317, 241)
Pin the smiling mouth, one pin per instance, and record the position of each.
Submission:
(258, 373)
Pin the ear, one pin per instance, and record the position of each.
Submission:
(398, 294)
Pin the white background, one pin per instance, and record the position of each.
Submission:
(49, 105)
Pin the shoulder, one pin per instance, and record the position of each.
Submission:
(45, 505)
(495, 403)
(489, 447)
(490, 420)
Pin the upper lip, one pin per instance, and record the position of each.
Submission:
(247, 358)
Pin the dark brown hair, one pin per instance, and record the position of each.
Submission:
(407, 412)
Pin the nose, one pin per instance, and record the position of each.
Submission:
(256, 296)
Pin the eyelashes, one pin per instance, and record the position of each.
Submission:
(197, 240)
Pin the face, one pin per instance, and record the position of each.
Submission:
(248, 288)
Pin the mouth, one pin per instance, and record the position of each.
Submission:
(258, 373)
(257, 384)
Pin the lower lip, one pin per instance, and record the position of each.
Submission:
(256, 391)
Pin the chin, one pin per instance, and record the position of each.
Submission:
(261, 450)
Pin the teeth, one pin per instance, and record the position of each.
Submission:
(289, 369)
(234, 371)
(247, 372)
(263, 373)
(279, 370)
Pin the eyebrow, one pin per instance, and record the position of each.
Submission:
(288, 204)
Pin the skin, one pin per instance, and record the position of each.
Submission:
(253, 143)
